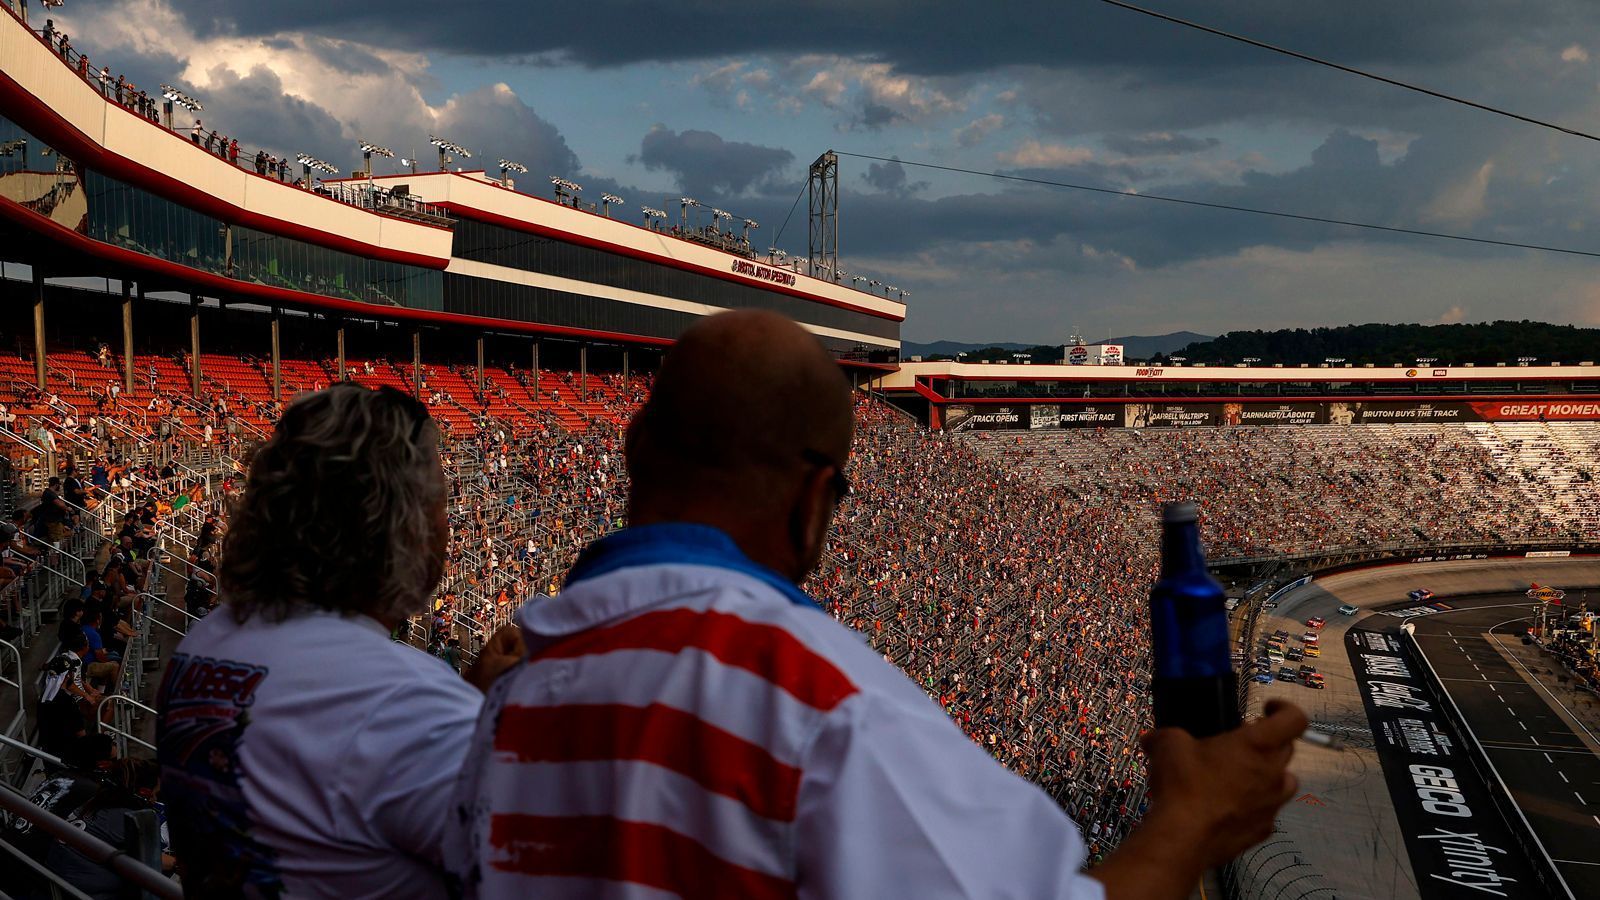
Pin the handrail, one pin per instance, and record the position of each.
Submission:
(30, 750)
(99, 714)
(149, 596)
(91, 848)
(40, 870)
(22, 707)
(12, 435)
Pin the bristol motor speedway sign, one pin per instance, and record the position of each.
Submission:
(1458, 844)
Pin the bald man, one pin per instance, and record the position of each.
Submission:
(686, 722)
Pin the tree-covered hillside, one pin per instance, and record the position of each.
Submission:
(1484, 344)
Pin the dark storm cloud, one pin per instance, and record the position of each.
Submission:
(706, 165)
(891, 178)
(1158, 144)
(923, 36)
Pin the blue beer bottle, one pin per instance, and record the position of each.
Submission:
(1193, 685)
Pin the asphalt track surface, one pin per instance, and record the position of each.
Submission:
(1552, 775)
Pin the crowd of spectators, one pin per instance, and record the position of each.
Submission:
(1006, 572)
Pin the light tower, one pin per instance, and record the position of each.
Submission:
(822, 191)
(445, 149)
(370, 150)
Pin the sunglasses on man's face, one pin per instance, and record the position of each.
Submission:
(841, 481)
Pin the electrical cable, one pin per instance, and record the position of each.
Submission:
(1228, 207)
(1306, 57)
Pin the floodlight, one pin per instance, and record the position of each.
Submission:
(179, 97)
(874, 283)
(653, 213)
(311, 162)
(371, 150)
(507, 165)
(449, 147)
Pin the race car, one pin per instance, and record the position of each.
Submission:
(1420, 595)
(1314, 680)
(1264, 678)
(1316, 622)
(1309, 638)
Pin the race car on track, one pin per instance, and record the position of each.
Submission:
(1348, 610)
(1420, 595)
(1264, 678)
(1316, 622)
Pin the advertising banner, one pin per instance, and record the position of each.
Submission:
(1275, 414)
(1045, 415)
(1537, 410)
(1188, 415)
(1380, 413)
(986, 418)
(1086, 416)
(1172, 415)
(1458, 843)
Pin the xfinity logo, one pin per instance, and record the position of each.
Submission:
(1390, 695)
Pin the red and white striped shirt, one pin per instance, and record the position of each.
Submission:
(687, 725)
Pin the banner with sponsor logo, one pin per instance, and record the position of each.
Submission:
(1085, 416)
(1536, 410)
(1458, 843)
(1186, 415)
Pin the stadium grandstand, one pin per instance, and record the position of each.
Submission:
(166, 294)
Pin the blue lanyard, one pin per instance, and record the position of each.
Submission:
(680, 543)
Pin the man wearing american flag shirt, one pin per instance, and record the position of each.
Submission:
(683, 721)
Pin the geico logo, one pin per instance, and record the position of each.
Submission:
(1437, 788)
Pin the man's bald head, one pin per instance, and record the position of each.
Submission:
(740, 399)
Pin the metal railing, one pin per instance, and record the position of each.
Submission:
(114, 859)
(122, 720)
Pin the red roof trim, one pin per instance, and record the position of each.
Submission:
(33, 115)
(492, 218)
(207, 281)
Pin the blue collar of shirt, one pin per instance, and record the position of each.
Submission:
(680, 543)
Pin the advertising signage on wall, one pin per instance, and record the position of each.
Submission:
(963, 417)
(1189, 415)
(1045, 415)
(1084, 416)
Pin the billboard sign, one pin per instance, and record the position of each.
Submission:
(1044, 415)
(1104, 415)
(1077, 355)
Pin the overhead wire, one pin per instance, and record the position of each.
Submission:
(1306, 57)
(1229, 207)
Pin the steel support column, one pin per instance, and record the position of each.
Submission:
(480, 364)
(39, 370)
(416, 363)
(340, 336)
(624, 369)
(583, 371)
(277, 356)
(194, 345)
(127, 333)
(535, 371)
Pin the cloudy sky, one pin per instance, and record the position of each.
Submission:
(729, 103)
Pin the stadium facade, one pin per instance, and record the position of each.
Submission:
(983, 396)
(96, 181)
